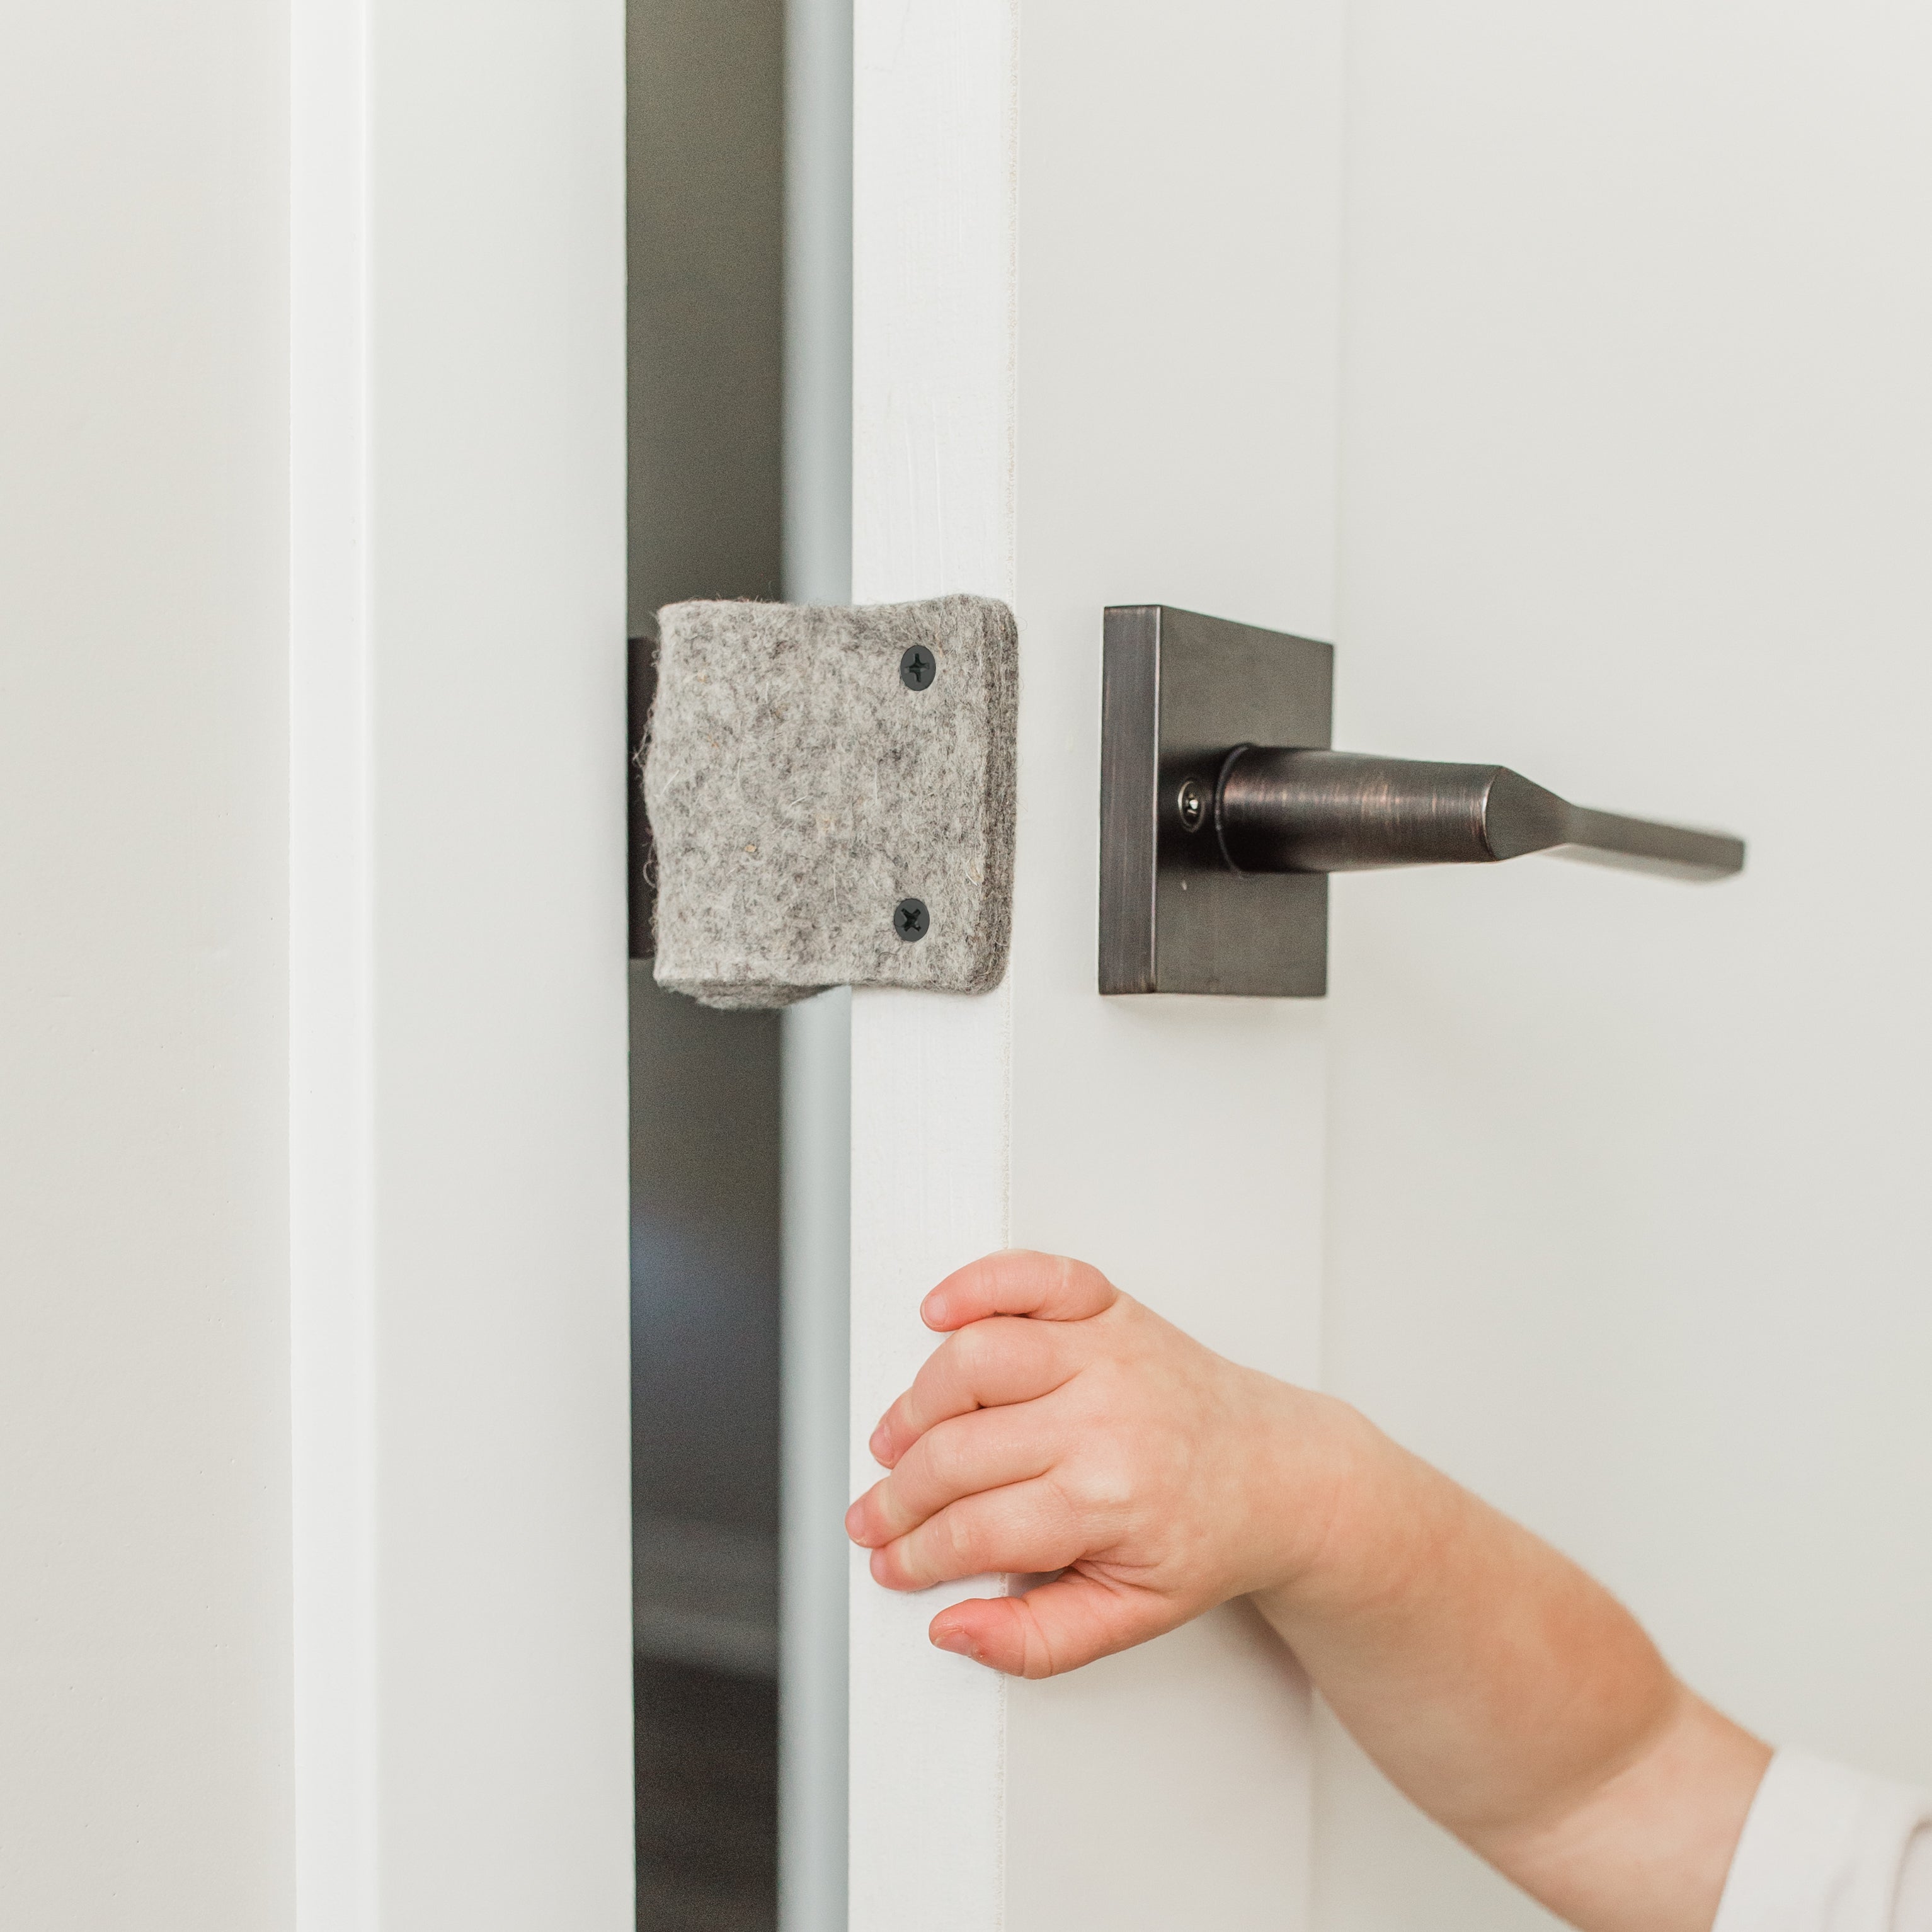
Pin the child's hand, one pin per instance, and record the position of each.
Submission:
(1065, 1427)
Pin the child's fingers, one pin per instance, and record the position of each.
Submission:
(985, 1366)
(1058, 1626)
(1016, 1281)
(1026, 1526)
(986, 1451)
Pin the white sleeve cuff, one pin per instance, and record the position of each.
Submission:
(1824, 1850)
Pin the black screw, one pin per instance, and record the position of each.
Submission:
(910, 920)
(917, 669)
(1193, 803)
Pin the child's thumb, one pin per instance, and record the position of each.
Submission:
(1057, 1627)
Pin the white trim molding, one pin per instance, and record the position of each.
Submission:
(458, 982)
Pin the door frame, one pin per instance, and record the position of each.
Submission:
(458, 1113)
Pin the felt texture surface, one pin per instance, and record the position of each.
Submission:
(799, 791)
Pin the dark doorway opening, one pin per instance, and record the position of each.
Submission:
(706, 220)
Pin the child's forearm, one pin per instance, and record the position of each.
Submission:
(1065, 1430)
(1513, 1699)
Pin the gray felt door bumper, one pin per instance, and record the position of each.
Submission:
(830, 793)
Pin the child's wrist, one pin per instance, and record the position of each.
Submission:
(1341, 1513)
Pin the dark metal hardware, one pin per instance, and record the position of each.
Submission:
(640, 872)
(918, 668)
(1204, 720)
(910, 920)
(1279, 810)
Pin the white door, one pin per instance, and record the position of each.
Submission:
(1565, 366)
(1095, 263)
(1629, 1220)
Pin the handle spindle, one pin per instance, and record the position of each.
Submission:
(1277, 810)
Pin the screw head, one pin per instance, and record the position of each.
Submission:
(910, 920)
(918, 668)
(1193, 803)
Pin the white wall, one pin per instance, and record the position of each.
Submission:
(390, 1671)
(144, 1611)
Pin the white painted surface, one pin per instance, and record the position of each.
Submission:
(1178, 274)
(817, 1065)
(815, 1403)
(929, 1141)
(932, 511)
(312, 1391)
(818, 302)
(144, 1406)
(331, 1149)
(1079, 256)
(1631, 1225)
(458, 1031)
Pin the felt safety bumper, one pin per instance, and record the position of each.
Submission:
(830, 792)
